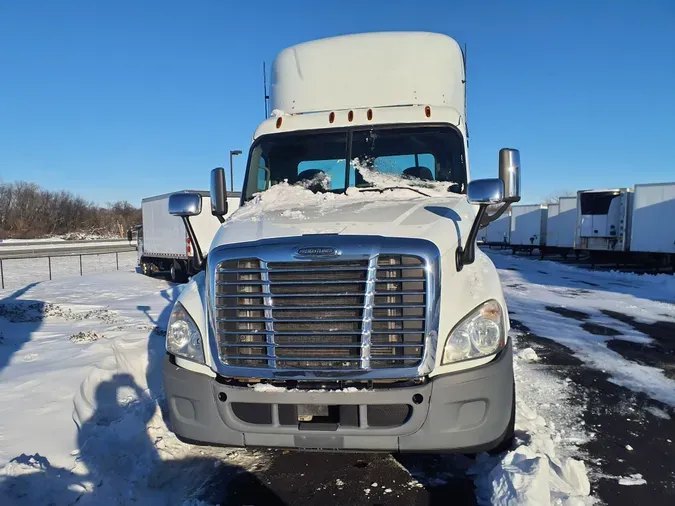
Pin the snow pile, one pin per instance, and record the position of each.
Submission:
(657, 412)
(384, 180)
(288, 199)
(632, 480)
(528, 355)
(544, 468)
(320, 182)
(532, 474)
(294, 214)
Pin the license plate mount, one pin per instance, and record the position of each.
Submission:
(306, 412)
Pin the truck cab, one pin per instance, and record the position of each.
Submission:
(344, 305)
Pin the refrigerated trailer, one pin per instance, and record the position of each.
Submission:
(652, 231)
(163, 244)
(528, 227)
(603, 221)
(561, 224)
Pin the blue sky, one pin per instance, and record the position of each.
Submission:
(125, 99)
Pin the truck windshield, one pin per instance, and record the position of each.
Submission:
(318, 161)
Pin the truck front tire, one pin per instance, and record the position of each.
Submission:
(178, 272)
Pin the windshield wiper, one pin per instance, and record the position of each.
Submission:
(382, 190)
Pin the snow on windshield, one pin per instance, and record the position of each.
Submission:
(285, 197)
(386, 180)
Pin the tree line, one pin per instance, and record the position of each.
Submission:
(29, 212)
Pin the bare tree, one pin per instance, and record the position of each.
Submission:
(554, 197)
(28, 211)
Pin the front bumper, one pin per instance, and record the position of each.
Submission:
(468, 411)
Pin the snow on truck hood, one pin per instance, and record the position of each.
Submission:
(289, 210)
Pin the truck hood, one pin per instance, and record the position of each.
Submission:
(442, 220)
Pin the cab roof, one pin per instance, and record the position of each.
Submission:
(369, 70)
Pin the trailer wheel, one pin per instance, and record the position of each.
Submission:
(178, 272)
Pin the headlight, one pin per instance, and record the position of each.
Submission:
(481, 333)
(183, 337)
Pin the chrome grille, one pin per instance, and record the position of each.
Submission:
(321, 315)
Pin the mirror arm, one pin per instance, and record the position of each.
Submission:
(221, 219)
(466, 256)
(489, 218)
(198, 258)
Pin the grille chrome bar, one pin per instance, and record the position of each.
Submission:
(288, 320)
(310, 282)
(253, 295)
(319, 308)
(260, 345)
(292, 333)
(269, 324)
(367, 325)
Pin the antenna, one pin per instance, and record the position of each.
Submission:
(466, 123)
(267, 97)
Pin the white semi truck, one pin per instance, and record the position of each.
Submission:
(345, 305)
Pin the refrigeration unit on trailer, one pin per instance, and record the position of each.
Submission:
(561, 224)
(163, 243)
(498, 232)
(653, 221)
(346, 306)
(603, 220)
(528, 227)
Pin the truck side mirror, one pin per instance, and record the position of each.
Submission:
(218, 194)
(185, 204)
(482, 192)
(509, 173)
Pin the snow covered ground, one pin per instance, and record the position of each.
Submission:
(81, 409)
(80, 416)
(583, 310)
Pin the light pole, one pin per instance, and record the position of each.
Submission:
(233, 153)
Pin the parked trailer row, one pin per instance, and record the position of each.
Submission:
(615, 225)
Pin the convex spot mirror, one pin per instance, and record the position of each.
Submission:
(486, 191)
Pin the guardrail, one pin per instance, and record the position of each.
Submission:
(21, 251)
(62, 242)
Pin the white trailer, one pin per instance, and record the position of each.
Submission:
(653, 220)
(499, 231)
(528, 227)
(163, 244)
(561, 225)
(603, 220)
